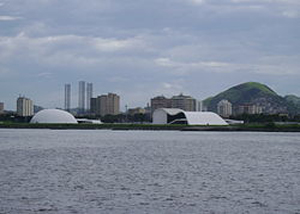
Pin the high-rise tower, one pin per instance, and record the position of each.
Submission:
(81, 97)
(224, 108)
(24, 107)
(67, 97)
(89, 95)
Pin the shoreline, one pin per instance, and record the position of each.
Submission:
(151, 127)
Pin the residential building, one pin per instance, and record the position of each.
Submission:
(248, 109)
(89, 95)
(113, 102)
(106, 104)
(1, 108)
(24, 107)
(224, 108)
(67, 97)
(160, 102)
(199, 105)
(181, 101)
(186, 103)
(81, 97)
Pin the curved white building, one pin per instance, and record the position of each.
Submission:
(53, 116)
(178, 116)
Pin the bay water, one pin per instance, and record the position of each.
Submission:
(103, 171)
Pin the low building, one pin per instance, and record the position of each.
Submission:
(178, 116)
(24, 107)
(138, 110)
(88, 121)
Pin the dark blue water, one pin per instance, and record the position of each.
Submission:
(54, 171)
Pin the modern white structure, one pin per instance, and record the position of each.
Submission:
(178, 116)
(89, 121)
(53, 116)
(67, 97)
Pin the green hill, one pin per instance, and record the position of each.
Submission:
(293, 103)
(252, 93)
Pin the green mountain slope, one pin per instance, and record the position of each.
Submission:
(249, 93)
(293, 103)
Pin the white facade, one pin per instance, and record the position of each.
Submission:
(163, 115)
(89, 121)
(224, 108)
(53, 116)
(24, 107)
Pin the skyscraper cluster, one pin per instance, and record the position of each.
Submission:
(101, 105)
(85, 93)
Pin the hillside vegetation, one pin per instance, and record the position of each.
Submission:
(254, 93)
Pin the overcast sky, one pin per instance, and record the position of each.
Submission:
(141, 48)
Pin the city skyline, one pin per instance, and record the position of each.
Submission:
(73, 97)
(143, 49)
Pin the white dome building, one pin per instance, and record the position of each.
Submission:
(53, 116)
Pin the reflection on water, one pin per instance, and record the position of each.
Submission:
(67, 171)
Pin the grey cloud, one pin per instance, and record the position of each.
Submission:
(141, 48)
(9, 18)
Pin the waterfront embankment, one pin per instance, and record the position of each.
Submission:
(269, 127)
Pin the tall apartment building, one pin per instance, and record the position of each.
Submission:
(81, 97)
(1, 108)
(224, 108)
(106, 104)
(181, 101)
(160, 102)
(24, 107)
(89, 95)
(186, 103)
(67, 97)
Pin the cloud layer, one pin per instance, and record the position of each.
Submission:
(141, 49)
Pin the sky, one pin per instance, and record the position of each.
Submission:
(140, 49)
